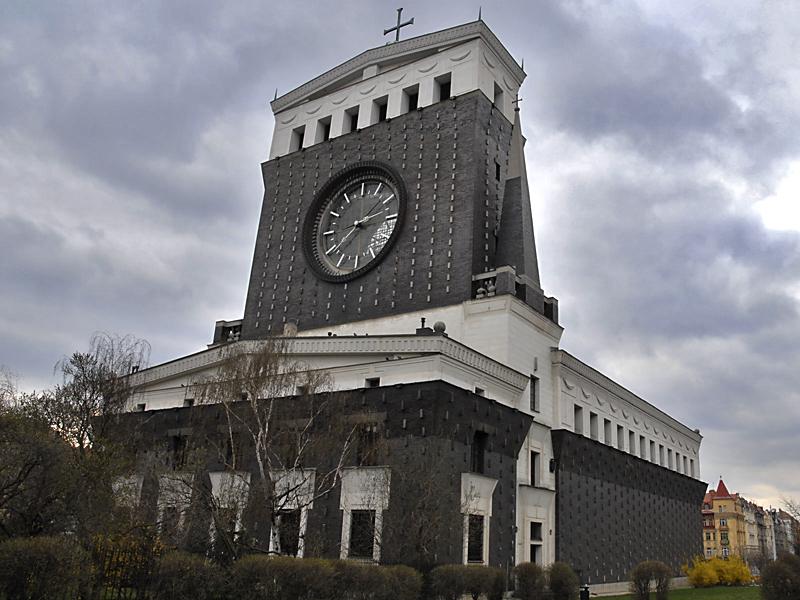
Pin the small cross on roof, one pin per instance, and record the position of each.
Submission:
(399, 25)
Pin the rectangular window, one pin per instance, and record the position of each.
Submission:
(480, 391)
(410, 99)
(475, 538)
(534, 399)
(607, 432)
(496, 171)
(323, 133)
(578, 420)
(661, 455)
(379, 109)
(685, 466)
(140, 407)
(535, 468)
(367, 444)
(296, 141)
(691, 467)
(678, 462)
(726, 552)
(669, 458)
(362, 534)
(301, 390)
(351, 119)
(442, 87)
(372, 382)
(652, 451)
(288, 523)
(620, 438)
(188, 403)
(498, 96)
(642, 447)
(536, 543)
(593, 433)
(479, 442)
(178, 446)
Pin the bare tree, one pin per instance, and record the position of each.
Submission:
(8, 387)
(297, 450)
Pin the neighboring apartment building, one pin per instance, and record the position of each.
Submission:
(734, 525)
(787, 531)
(724, 525)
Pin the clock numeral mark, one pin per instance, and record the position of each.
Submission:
(335, 214)
(331, 249)
(339, 262)
(371, 251)
(378, 189)
(390, 217)
(356, 265)
(346, 198)
(329, 232)
(362, 188)
(389, 198)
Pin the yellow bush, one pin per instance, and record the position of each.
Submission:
(718, 571)
(732, 571)
(702, 574)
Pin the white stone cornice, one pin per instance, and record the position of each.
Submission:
(579, 368)
(297, 347)
(395, 51)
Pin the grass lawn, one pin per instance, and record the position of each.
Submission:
(717, 593)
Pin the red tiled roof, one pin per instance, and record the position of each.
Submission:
(722, 491)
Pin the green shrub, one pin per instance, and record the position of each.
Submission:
(446, 582)
(450, 582)
(650, 571)
(780, 580)
(261, 577)
(407, 582)
(359, 581)
(499, 586)
(184, 576)
(531, 581)
(563, 582)
(44, 567)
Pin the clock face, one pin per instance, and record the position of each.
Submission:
(353, 221)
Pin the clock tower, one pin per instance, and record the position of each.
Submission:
(396, 183)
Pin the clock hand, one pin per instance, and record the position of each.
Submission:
(344, 239)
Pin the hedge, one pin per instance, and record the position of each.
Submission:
(562, 581)
(780, 579)
(531, 581)
(44, 567)
(647, 571)
(184, 576)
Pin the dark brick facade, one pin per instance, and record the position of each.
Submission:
(446, 154)
(614, 510)
(427, 430)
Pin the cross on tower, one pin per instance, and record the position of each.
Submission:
(399, 25)
(516, 101)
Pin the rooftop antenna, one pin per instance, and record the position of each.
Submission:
(275, 97)
(479, 12)
(399, 25)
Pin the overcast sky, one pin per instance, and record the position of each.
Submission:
(663, 155)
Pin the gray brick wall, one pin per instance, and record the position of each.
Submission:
(445, 154)
(614, 510)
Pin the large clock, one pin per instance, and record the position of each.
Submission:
(354, 220)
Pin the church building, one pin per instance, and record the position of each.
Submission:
(395, 253)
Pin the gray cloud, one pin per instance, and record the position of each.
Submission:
(131, 136)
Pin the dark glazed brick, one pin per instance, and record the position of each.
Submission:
(614, 510)
(283, 288)
(440, 422)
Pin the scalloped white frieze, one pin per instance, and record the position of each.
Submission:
(585, 394)
(399, 79)
(313, 110)
(487, 61)
(338, 102)
(289, 120)
(567, 384)
(625, 413)
(368, 90)
(462, 57)
(428, 69)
